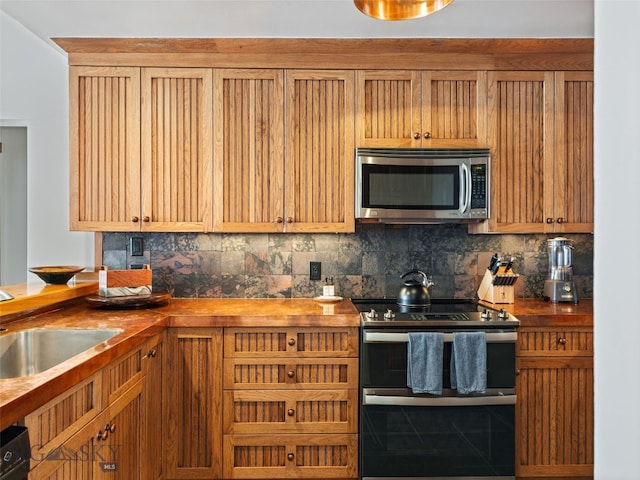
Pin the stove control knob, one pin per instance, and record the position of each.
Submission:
(389, 315)
(372, 314)
(486, 314)
(503, 314)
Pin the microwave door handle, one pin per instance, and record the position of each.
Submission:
(465, 188)
(391, 337)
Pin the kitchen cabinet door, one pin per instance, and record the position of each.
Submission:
(572, 208)
(429, 109)
(104, 148)
(248, 150)
(520, 125)
(177, 144)
(319, 160)
(108, 447)
(193, 399)
(554, 413)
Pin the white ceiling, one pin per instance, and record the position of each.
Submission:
(295, 18)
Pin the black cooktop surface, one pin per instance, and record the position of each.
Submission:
(385, 312)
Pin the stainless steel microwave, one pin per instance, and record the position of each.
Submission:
(409, 185)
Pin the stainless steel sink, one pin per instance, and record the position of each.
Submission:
(33, 351)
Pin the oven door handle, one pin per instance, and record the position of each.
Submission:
(420, 401)
(394, 337)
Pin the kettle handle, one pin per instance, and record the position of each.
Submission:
(411, 272)
(425, 278)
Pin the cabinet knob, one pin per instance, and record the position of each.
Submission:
(291, 374)
(290, 456)
(289, 219)
(549, 220)
(145, 218)
(279, 220)
(135, 219)
(291, 412)
(416, 136)
(562, 341)
(560, 220)
(102, 435)
(151, 353)
(427, 135)
(292, 341)
(110, 427)
(517, 372)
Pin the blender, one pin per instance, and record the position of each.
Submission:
(559, 287)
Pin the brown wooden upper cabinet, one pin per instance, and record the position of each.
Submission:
(283, 150)
(140, 149)
(424, 109)
(541, 139)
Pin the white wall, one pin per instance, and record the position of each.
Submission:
(617, 239)
(34, 93)
(13, 205)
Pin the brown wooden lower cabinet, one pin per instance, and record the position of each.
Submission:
(290, 456)
(554, 414)
(100, 428)
(108, 447)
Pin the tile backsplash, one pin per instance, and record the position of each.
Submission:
(367, 263)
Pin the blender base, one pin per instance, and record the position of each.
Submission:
(560, 291)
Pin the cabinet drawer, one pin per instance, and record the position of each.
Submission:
(119, 375)
(290, 373)
(555, 342)
(285, 342)
(58, 420)
(291, 456)
(272, 411)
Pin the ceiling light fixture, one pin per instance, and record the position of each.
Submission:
(400, 9)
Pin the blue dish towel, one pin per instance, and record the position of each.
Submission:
(469, 362)
(424, 362)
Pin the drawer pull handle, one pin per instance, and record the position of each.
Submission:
(290, 456)
(292, 341)
(291, 412)
(291, 374)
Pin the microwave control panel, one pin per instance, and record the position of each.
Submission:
(479, 186)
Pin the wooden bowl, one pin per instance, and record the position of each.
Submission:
(56, 275)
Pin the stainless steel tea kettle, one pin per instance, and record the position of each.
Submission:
(415, 292)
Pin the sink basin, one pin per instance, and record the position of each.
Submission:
(33, 351)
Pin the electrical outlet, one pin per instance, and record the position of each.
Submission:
(137, 246)
(315, 270)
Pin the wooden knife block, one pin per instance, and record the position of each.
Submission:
(491, 293)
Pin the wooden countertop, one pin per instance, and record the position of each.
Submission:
(540, 313)
(20, 396)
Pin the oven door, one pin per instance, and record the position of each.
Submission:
(404, 437)
(383, 359)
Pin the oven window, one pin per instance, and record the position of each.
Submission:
(385, 365)
(411, 187)
(400, 441)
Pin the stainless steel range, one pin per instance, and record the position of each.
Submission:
(448, 434)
